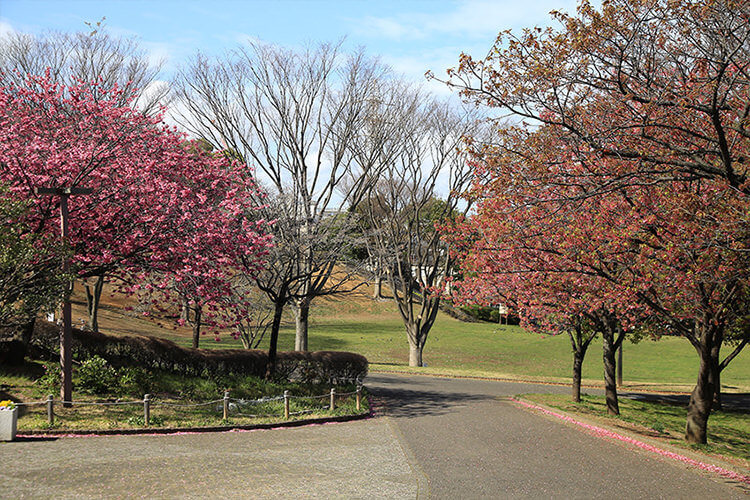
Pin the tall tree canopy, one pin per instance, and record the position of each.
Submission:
(157, 205)
(628, 169)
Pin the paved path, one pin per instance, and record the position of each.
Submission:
(352, 460)
(439, 438)
(470, 442)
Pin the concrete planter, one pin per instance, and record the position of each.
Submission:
(8, 421)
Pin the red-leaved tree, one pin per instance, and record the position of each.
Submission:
(157, 205)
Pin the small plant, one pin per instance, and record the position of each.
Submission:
(96, 376)
(133, 381)
(138, 421)
(49, 383)
(7, 405)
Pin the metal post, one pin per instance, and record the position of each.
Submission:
(619, 366)
(333, 399)
(50, 410)
(286, 405)
(359, 397)
(66, 355)
(146, 409)
(226, 405)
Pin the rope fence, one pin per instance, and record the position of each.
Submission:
(226, 406)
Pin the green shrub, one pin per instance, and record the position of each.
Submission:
(482, 313)
(134, 381)
(96, 376)
(489, 314)
(151, 353)
(50, 381)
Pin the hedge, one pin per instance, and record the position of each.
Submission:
(161, 354)
(490, 314)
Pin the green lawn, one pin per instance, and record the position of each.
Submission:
(375, 330)
(728, 431)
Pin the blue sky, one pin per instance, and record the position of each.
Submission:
(412, 36)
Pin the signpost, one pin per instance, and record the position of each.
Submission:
(66, 356)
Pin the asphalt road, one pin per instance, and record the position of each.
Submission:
(433, 437)
(361, 459)
(469, 441)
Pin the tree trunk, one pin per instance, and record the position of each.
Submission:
(577, 369)
(184, 309)
(716, 377)
(609, 353)
(197, 311)
(610, 381)
(701, 399)
(272, 346)
(301, 324)
(378, 289)
(27, 331)
(415, 355)
(93, 298)
(580, 344)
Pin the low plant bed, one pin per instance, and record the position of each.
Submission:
(728, 431)
(115, 402)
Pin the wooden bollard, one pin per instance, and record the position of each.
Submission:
(286, 405)
(333, 399)
(50, 410)
(226, 405)
(146, 409)
(359, 397)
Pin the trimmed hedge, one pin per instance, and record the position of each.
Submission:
(489, 314)
(161, 354)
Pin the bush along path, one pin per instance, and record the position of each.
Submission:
(132, 383)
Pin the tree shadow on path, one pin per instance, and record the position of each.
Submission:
(401, 402)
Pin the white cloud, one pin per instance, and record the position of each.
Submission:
(472, 19)
(389, 28)
(158, 53)
(244, 39)
(5, 28)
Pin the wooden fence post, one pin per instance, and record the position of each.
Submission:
(333, 399)
(286, 405)
(146, 409)
(226, 405)
(359, 397)
(50, 410)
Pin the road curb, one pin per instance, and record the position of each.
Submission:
(708, 463)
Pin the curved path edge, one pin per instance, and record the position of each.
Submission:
(601, 430)
(512, 380)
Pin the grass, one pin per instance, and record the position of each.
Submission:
(177, 401)
(374, 328)
(728, 431)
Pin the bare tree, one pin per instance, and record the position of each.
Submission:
(91, 57)
(250, 311)
(407, 204)
(293, 116)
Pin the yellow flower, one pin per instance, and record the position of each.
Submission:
(7, 405)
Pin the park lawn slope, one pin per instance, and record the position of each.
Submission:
(357, 323)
